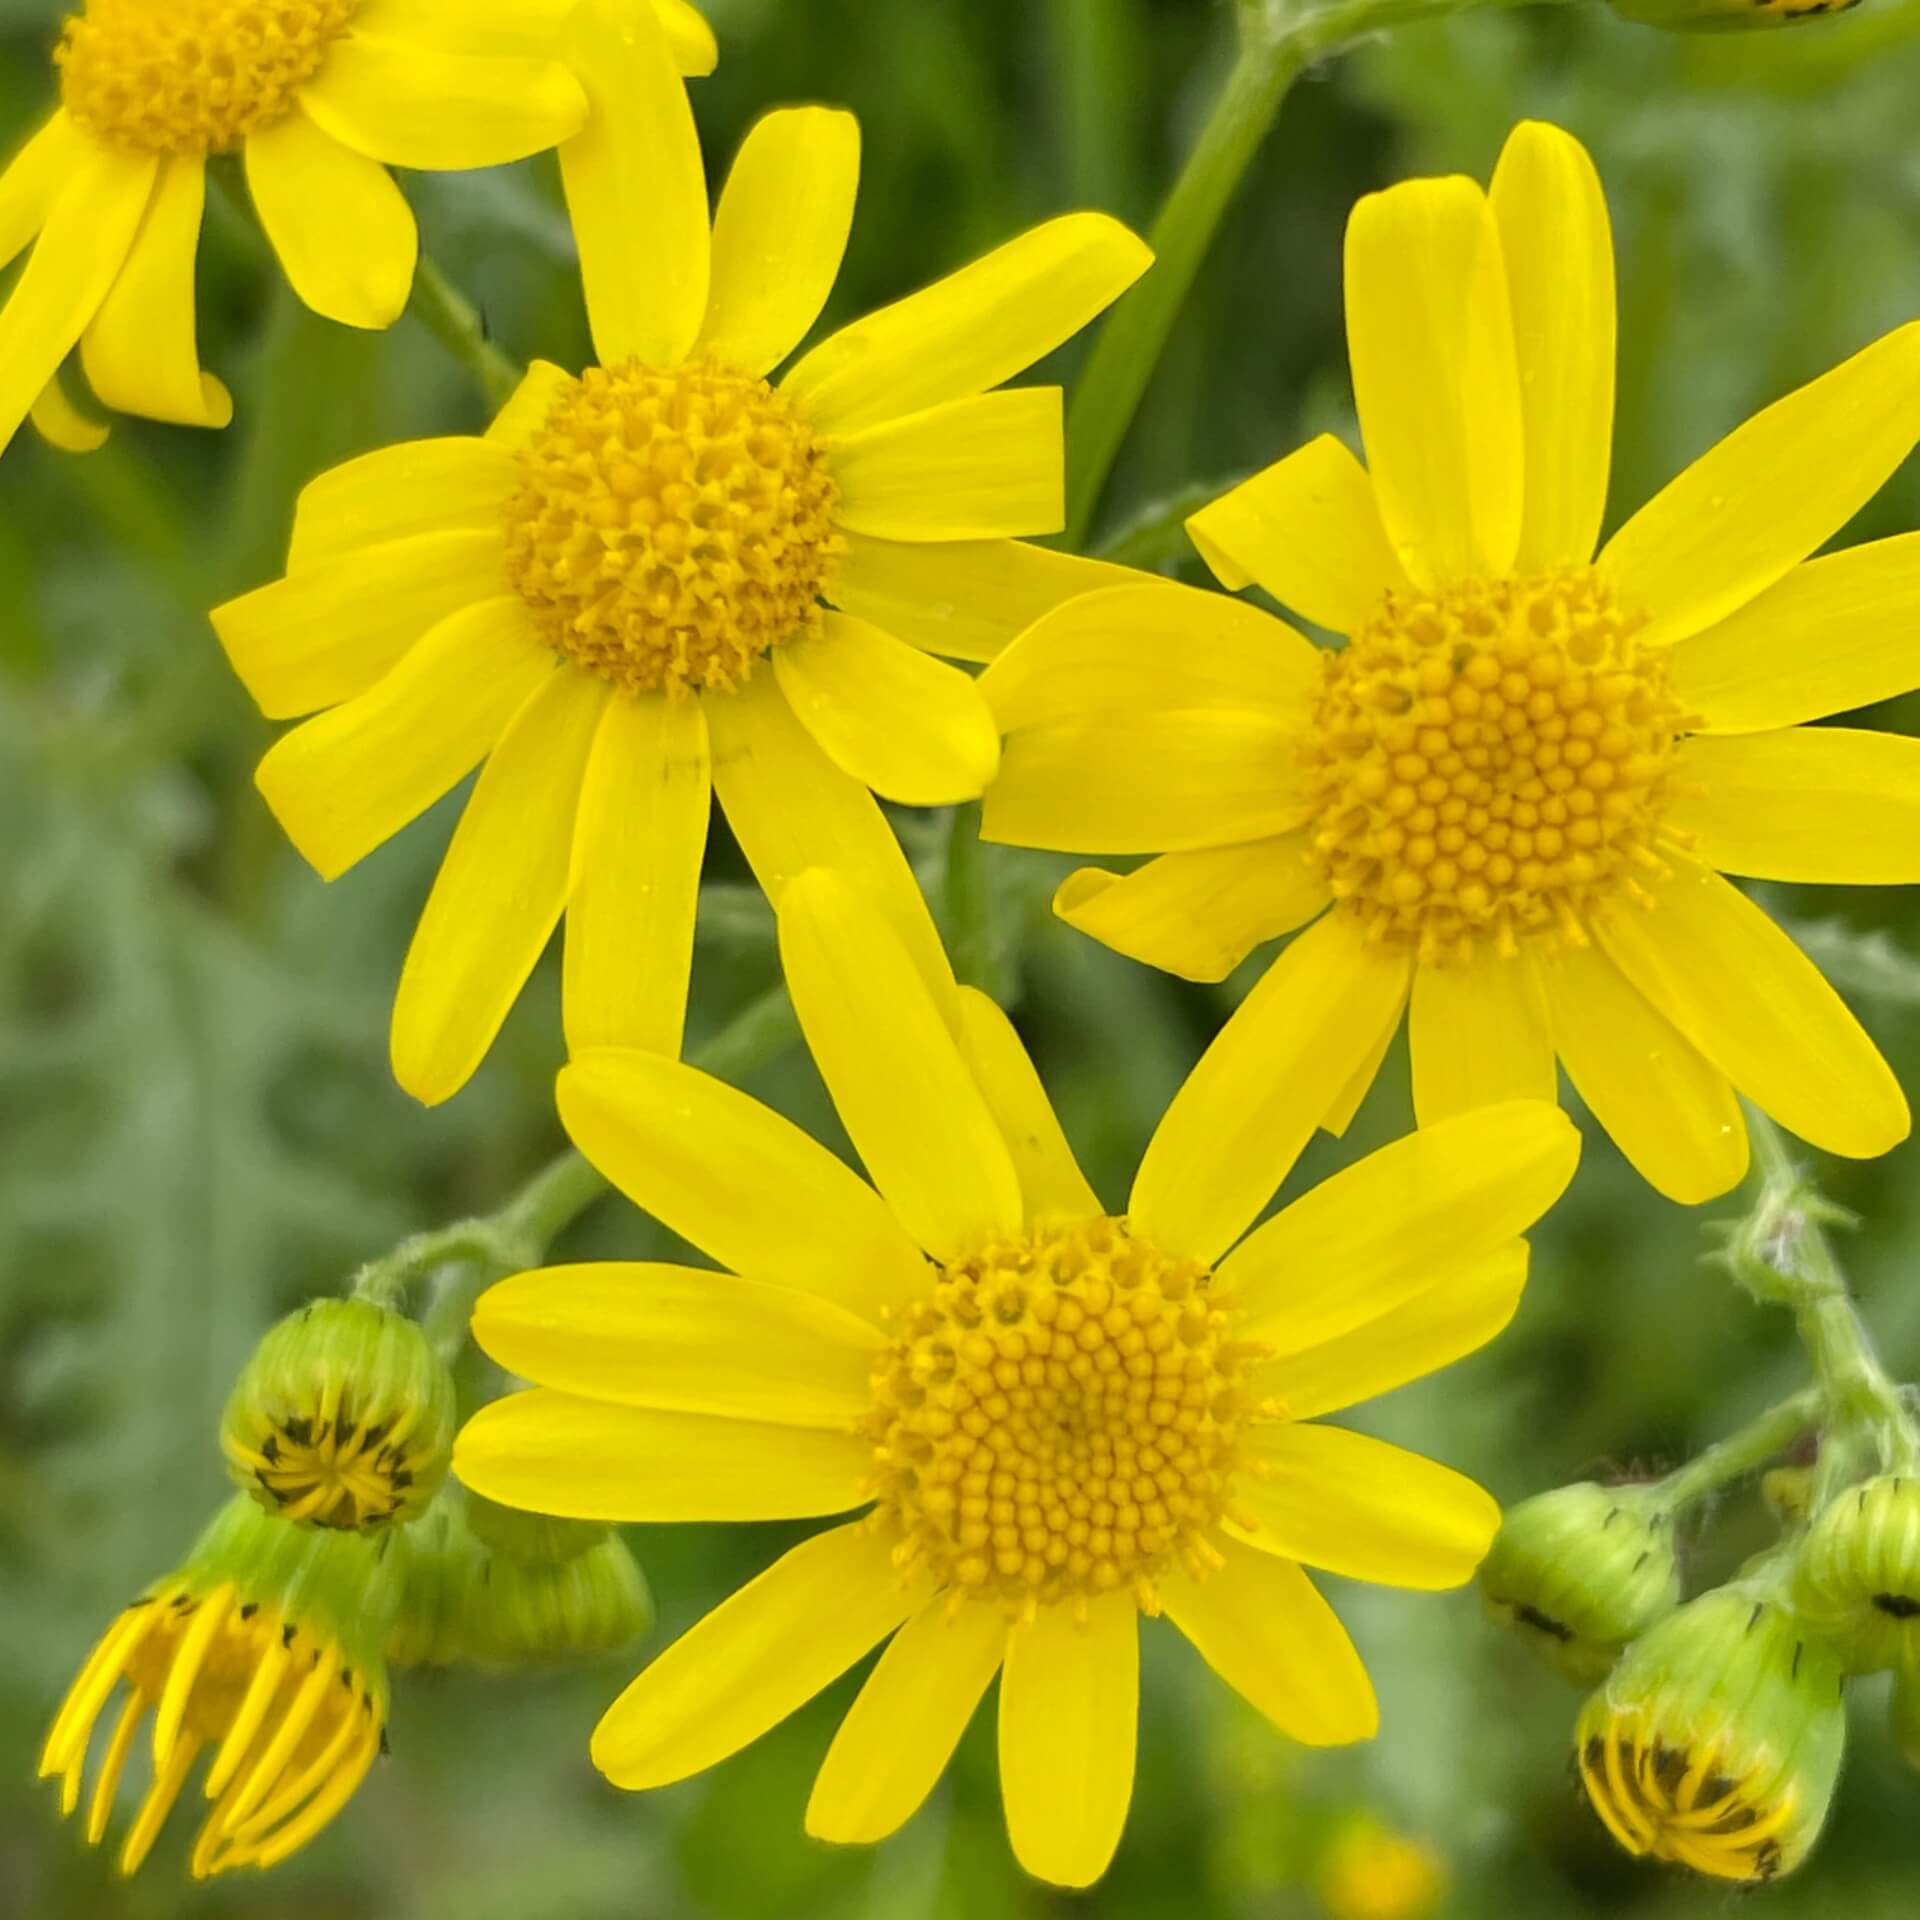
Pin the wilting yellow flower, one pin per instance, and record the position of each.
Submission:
(266, 1646)
(1518, 784)
(615, 597)
(1058, 1418)
(319, 97)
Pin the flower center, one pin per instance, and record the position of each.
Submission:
(1061, 1417)
(333, 1472)
(1489, 761)
(1679, 1805)
(192, 76)
(673, 525)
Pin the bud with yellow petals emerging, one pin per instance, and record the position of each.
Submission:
(343, 1418)
(1716, 1742)
(1582, 1571)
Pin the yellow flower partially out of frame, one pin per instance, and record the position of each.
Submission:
(1058, 1418)
(1518, 784)
(667, 578)
(319, 98)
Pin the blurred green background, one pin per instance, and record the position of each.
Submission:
(198, 1128)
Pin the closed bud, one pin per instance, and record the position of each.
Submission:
(546, 1589)
(266, 1651)
(1716, 1742)
(1726, 16)
(435, 1562)
(343, 1418)
(1857, 1576)
(1582, 1571)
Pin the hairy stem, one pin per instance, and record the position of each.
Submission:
(1731, 1459)
(456, 323)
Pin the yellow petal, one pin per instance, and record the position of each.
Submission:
(459, 485)
(1745, 514)
(695, 50)
(972, 330)
(1340, 1115)
(140, 350)
(32, 181)
(760, 1654)
(1830, 805)
(89, 233)
(1835, 634)
(636, 189)
(1197, 914)
(1558, 244)
(1050, 1178)
(1430, 337)
(1262, 1626)
(1069, 1723)
(1673, 1115)
(596, 1460)
(892, 718)
(341, 228)
(466, 26)
(325, 635)
(883, 1046)
(61, 424)
(902, 1729)
(1736, 986)
(989, 465)
(780, 234)
(1378, 1232)
(637, 855)
(1235, 1129)
(1359, 1507)
(682, 1339)
(1459, 1313)
(963, 598)
(351, 778)
(738, 1181)
(499, 891)
(409, 105)
(518, 424)
(791, 809)
(1148, 783)
(1308, 529)
(1145, 649)
(1478, 1034)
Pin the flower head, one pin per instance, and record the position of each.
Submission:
(1857, 1574)
(342, 1418)
(267, 1647)
(319, 98)
(665, 577)
(1717, 1740)
(1051, 1418)
(1507, 803)
(1582, 1571)
(1370, 1872)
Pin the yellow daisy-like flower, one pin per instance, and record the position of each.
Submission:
(268, 1647)
(1519, 782)
(616, 597)
(319, 98)
(1058, 1418)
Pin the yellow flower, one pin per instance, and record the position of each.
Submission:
(1371, 1872)
(615, 597)
(1519, 783)
(319, 97)
(1058, 1418)
(268, 1647)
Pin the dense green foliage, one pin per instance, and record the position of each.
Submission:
(198, 1127)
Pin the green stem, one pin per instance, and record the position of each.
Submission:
(1781, 1252)
(1740, 1453)
(969, 902)
(455, 322)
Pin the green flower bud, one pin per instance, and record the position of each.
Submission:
(1726, 16)
(1582, 1571)
(343, 1418)
(545, 1588)
(435, 1561)
(1716, 1741)
(1857, 1577)
(267, 1648)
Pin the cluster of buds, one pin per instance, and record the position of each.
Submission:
(1714, 1734)
(347, 1554)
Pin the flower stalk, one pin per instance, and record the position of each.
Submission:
(461, 328)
